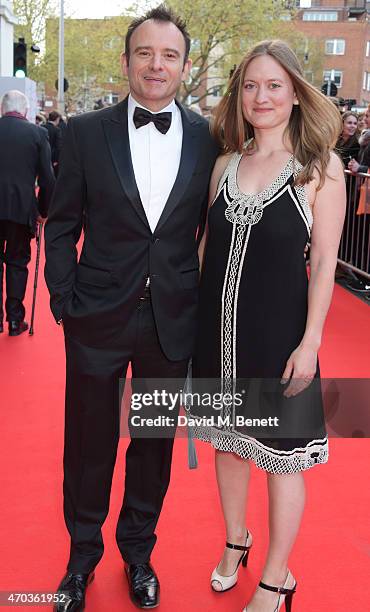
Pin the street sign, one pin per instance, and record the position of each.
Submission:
(329, 88)
(66, 85)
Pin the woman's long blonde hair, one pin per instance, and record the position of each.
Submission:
(314, 126)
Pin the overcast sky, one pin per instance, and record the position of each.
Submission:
(94, 9)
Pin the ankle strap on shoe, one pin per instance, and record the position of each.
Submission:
(280, 590)
(238, 546)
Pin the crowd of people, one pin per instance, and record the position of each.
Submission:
(353, 146)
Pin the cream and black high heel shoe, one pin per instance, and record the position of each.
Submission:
(285, 594)
(228, 582)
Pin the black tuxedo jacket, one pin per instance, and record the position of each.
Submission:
(96, 296)
(24, 156)
(55, 139)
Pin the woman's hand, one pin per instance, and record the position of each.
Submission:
(353, 165)
(300, 369)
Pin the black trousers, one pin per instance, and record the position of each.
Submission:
(15, 253)
(91, 440)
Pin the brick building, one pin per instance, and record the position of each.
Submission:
(342, 28)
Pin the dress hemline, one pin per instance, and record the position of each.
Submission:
(268, 459)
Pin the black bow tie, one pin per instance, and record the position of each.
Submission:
(162, 121)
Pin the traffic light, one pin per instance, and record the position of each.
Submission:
(20, 59)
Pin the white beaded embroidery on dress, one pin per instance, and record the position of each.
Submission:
(247, 209)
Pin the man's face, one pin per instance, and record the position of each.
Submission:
(155, 67)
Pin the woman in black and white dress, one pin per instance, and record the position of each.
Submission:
(277, 186)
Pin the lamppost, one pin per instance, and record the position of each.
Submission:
(61, 107)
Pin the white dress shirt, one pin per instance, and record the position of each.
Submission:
(155, 159)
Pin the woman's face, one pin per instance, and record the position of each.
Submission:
(367, 119)
(361, 124)
(349, 126)
(268, 94)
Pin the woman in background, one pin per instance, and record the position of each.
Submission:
(362, 123)
(347, 145)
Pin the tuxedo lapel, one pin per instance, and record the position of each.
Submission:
(116, 132)
(188, 161)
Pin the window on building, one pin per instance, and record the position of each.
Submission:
(112, 43)
(298, 3)
(111, 98)
(335, 46)
(366, 81)
(334, 75)
(217, 91)
(320, 16)
(193, 76)
(368, 48)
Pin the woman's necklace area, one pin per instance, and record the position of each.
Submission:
(245, 208)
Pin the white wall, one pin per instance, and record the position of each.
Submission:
(7, 22)
(26, 86)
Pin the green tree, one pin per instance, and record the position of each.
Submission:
(32, 15)
(91, 56)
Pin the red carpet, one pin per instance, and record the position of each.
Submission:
(331, 559)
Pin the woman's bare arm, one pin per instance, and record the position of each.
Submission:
(329, 205)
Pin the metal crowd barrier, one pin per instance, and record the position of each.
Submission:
(354, 248)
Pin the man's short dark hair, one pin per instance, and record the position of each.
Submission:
(163, 14)
(54, 115)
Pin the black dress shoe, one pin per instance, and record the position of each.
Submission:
(17, 327)
(144, 585)
(72, 592)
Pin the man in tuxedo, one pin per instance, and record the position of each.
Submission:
(24, 157)
(139, 173)
(55, 138)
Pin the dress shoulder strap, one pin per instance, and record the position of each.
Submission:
(226, 173)
(230, 168)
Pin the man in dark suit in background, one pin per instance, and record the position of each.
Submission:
(139, 172)
(55, 138)
(24, 156)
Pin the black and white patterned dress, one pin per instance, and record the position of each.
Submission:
(253, 309)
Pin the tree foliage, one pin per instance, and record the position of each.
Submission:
(91, 56)
(222, 32)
